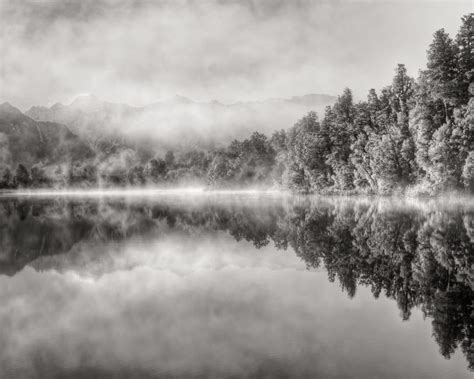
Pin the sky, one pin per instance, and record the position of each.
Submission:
(138, 52)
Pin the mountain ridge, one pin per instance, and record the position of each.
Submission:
(179, 121)
(91, 99)
(26, 141)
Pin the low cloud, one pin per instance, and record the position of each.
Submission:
(141, 51)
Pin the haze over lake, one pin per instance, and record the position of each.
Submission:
(235, 285)
(236, 189)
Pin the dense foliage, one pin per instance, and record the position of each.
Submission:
(414, 135)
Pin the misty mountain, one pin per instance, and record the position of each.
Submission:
(179, 121)
(24, 140)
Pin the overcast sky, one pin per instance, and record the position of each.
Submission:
(142, 51)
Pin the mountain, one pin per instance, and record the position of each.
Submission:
(179, 121)
(24, 140)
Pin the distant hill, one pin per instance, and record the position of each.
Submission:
(179, 121)
(24, 140)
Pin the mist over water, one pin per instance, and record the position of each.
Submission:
(236, 189)
(249, 284)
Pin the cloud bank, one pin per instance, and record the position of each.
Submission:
(141, 51)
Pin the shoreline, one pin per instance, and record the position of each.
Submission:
(451, 196)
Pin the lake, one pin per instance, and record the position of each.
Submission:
(235, 285)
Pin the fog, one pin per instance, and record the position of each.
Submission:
(138, 52)
(192, 194)
(155, 281)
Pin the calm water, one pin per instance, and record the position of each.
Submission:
(235, 285)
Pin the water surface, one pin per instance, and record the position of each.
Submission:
(228, 285)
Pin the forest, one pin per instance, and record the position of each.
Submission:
(414, 136)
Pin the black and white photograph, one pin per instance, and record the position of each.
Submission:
(236, 189)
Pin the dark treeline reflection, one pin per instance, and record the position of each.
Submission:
(418, 255)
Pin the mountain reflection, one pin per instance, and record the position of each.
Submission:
(419, 256)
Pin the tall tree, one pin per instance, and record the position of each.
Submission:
(365, 118)
(442, 70)
(402, 92)
(465, 43)
(341, 134)
(307, 147)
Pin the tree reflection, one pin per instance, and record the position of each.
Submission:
(417, 258)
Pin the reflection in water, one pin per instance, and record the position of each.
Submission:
(169, 291)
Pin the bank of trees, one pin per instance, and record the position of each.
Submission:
(22, 177)
(118, 170)
(244, 163)
(411, 135)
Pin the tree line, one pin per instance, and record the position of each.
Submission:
(413, 135)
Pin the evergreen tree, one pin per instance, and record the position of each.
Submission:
(465, 43)
(442, 71)
(402, 91)
(374, 106)
(426, 117)
(442, 170)
(384, 165)
(403, 88)
(365, 118)
(340, 128)
(307, 147)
